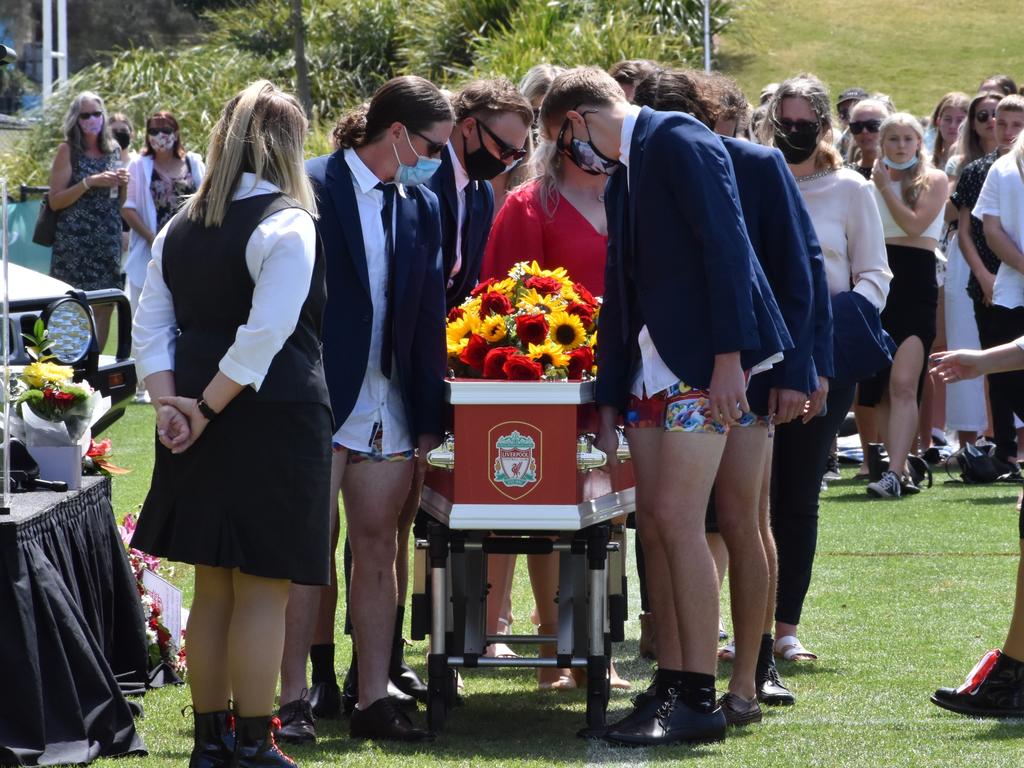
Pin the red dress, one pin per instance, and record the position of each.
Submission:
(523, 231)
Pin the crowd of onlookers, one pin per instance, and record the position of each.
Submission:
(852, 241)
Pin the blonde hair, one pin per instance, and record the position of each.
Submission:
(952, 100)
(538, 79)
(915, 180)
(810, 88)
(260, 131)
(854, 155)
(1018, 155)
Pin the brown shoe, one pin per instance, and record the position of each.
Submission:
(648, 643)
(740, 711)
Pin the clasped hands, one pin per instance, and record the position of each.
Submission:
(179, 423)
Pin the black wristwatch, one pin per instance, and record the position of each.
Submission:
(206, 410)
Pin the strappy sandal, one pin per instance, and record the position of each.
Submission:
(791, 649)
(727, 652)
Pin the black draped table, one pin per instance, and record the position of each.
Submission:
(71, 628)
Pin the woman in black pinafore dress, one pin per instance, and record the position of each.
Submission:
(227, 338)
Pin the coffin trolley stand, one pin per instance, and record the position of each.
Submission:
(521, 482)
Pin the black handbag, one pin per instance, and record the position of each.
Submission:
(46, 224)
(975, 466)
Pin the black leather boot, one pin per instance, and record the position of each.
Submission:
(255, 746)
(214, 740)
(995, 688)
(400, 673)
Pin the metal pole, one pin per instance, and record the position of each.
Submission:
(707, 35)
(47, 50)
(5, 336)
(62, 42)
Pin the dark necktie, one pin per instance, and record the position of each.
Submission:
(386, 215)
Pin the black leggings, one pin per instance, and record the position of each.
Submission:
(1000, 325)
(798, 462)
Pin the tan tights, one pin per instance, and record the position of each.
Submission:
(235, 639)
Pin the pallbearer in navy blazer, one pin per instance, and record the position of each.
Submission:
(492, 122)
(384, 360)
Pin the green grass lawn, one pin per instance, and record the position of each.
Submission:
(914, 50)
(906, 597)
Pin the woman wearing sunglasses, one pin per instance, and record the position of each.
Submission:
(911, 198)
(162, 176)
(865, 120)
(87, 183)
(846, 220)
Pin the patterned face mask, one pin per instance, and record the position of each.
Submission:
(163, 141)
(584, 154)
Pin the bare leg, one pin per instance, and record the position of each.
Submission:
(255, 642)
(544, 581)
(309, 618)
(1014, 646)
(902, 402)
(500, 569)
(964, 436)
(737, 491)
(405, 521)
(720, 554)
(208, 625)
(374, 493)
(768, 539)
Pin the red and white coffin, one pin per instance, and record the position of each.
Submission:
(521, 459)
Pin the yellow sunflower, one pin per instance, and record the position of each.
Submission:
(472, 306)
(534, 268)
(531, 299)
(506, 287)
(459, 330)
(566, 330)
(493, 328)
(549, 353)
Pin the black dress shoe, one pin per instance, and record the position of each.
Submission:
(995, 688)
(771, 690)
(408, 682)
(296, 719)
(325, 699)
(740, 711)
(384, 719)
(673, 722)
(350, 695)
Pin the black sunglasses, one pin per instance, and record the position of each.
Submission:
(433, 147)
(87, 115)
(797, 126)
(983, 116)
(859, 126)
(505, 150)
(153, 131)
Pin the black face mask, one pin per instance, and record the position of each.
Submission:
(481, 165)
(122, 137)
(796, 146)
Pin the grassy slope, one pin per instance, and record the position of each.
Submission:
(906, 597)
(908, 49)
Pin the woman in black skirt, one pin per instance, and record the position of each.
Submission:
(227, 337)
(911, 199)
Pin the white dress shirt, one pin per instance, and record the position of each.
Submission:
(379, 404)
(279, 256)
(461, 182)
(1002, 196)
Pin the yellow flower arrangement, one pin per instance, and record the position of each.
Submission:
(566, 330)
(549, 353)
(459, 330)
(40, 374)
(534, 269)
(493, 329)
(531, 300)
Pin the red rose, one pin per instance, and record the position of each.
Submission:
(532, 329)
(494, 362)
(493, 303)
(64, 399)
(483, 287)
(48, 395)
(545, 286)
(581, 360)
(456, 313)
(585, 296)
(475, 352)
(583, 311)
(522, 368)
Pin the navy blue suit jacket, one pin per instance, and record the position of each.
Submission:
(680, 261)
(787, 247)
(418, 309)
(479, 212)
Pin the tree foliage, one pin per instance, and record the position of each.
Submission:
(353, 46)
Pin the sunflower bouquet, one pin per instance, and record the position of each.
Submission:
(536, 324)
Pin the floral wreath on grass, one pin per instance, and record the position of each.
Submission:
(158, 637)
(536, 324)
